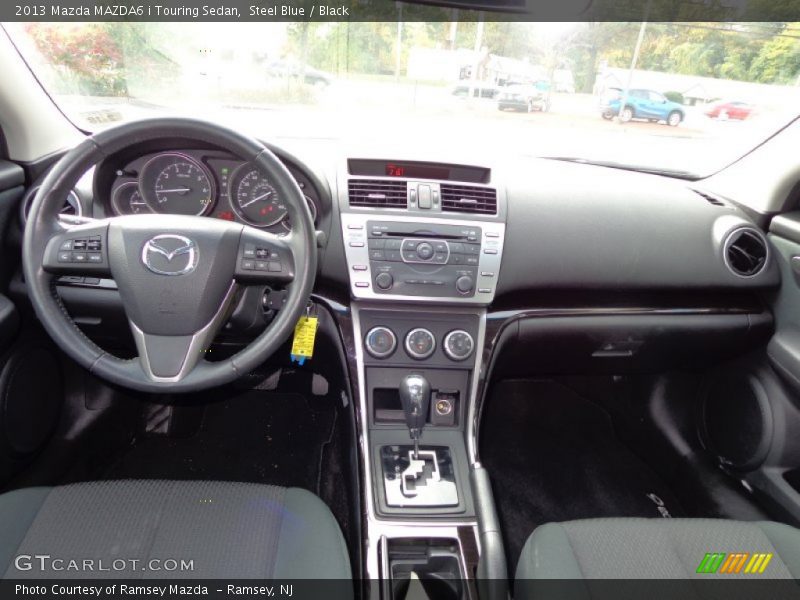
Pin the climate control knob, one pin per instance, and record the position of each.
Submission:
(384, 281)
(425, 251)
(380, 341)
(458, 345)
(464, 284)
(420, 343)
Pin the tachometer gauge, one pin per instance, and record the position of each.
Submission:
(126, 200)
(254, 199)
(177, 184)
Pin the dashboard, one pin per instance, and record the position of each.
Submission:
(201, 182)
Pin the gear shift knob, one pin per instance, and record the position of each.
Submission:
(415, 396)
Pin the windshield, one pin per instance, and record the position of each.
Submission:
(680, 97)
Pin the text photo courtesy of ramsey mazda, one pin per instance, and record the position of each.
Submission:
(414, 300)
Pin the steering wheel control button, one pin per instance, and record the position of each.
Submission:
(65, 257)
(458, 345)
(249, 265)
(420, 343)
(380, 342)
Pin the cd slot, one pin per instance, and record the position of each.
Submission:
(424, 235)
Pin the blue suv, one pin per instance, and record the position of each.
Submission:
(643, 104)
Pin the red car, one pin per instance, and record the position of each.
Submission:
(730, 110)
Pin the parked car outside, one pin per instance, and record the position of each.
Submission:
(523, 98)
(294, 69)
(642, 104)
(730, 110)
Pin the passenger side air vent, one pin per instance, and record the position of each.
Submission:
(469, 199)
(378, 193)
(746, 251)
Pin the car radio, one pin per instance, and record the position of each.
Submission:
(444, 260)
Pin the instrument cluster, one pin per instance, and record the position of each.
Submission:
(205, 183)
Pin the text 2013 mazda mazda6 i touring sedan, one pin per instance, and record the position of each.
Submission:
(265, 338)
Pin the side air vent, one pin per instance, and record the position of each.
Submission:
(711, 199)
(378, 193)
(746, 251)
(72, 205)
(468, 199)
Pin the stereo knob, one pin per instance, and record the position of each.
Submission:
(425, 251)
(464, 284)
(384, 281)
(380, 342)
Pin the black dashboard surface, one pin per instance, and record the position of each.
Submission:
(568, 226)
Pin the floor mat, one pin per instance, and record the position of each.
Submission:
(553, 456)
(254, 436)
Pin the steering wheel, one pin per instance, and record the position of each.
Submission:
(178, 276)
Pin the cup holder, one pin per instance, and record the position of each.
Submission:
(421, 567)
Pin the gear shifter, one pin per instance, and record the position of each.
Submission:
(415, 396)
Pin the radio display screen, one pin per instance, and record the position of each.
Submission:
(416, 171)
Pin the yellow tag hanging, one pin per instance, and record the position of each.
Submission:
(305, 332)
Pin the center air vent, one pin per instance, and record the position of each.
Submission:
(378, 193)
(468, 199)
(746, 251)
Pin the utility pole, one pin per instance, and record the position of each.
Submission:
(399, 43)
(624, 99)
(477, 59)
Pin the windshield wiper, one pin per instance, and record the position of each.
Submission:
(627, 167)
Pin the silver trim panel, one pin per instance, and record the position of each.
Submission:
(356, 247)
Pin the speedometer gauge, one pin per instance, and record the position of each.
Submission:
(254, 199)
(177, 184)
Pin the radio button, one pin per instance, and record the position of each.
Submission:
(464, 284)
(377, 244)
(384, 281)
(392, 244)
(425, 251)
(471, 261)
(440, 258)
(410, 244)
(377, 255)
(440, 246)
(490, 251)
(456, 247)
(392, 255)
(456, 259)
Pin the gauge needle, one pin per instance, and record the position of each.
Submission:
(256, 199)
(178, 190)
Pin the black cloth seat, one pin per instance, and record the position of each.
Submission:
(227, 530)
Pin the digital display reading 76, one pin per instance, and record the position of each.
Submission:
(416, 171)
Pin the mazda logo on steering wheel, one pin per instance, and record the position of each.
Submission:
(170, 255)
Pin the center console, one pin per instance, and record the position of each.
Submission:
(424, 245)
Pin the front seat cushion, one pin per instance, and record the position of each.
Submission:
(228, 530)
(632, 548)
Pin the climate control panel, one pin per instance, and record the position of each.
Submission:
(419, 343)
(431, 259)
